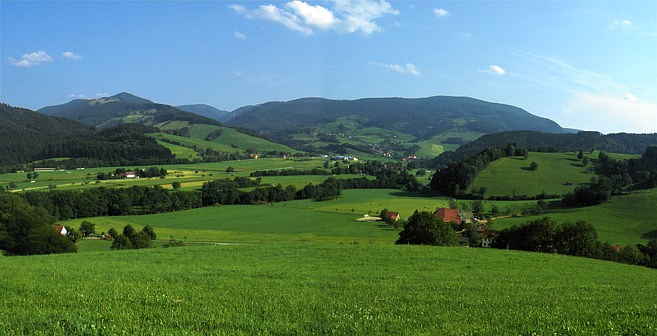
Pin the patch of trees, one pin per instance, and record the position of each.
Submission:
(577, 239)
(457, 177)
(70, 204)
(638, 173)
(26, 229)
(423, 228)
(131, 239)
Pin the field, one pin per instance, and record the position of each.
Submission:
(623, 220)
(303, 220)
(324, 289)
(192, 175)
(557, 173)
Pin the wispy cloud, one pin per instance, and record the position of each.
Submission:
(594, 99)
(71, 55)
(495, 70)
(405, 69)
(613, 113)
(239, 35)
(31, 59)
(347, 16)
(77, 96)
(440, 12)
(619, 24)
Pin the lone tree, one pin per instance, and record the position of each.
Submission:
(423, 228)
(175, 185)
(580, 155)
(533, 166)
(87, 228)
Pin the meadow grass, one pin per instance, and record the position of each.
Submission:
(324, 289)
(180, 152)
(623, 220)
(557, 173)
(191, 172)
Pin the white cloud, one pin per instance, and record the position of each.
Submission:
(496, 69)
(77, 96)
(31, 59)
(317, 16)
(440, 12)
(239, 36)
(361, 15)
(405, 69)
(619, 24)
(346, 16)
(71, 55)
(612, 113)
(238, 8)
(630, 97)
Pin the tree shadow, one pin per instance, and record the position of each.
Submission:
(650, 235)
(408, 194)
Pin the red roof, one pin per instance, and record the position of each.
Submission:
(392, 215)
(59, 228)
(448, 215)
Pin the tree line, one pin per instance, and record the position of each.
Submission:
(457, 177)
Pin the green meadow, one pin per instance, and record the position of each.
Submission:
(192, 174)
(623, 220)
(557, 173)
(324, 289)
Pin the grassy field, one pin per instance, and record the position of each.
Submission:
(303, 220)
(193, 174)
(324, 289)
(623, 220)
(557, 173)
(180, 152)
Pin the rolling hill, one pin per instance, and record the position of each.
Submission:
(120, 109)
(623, 143)
(27, 136)
(424, 126)
(206, 111)
(125, 108)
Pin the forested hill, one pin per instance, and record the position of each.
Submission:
(120, 109)
(420, 117)
(206, 111)
(586, 141)
(27, 136)
(24, 133)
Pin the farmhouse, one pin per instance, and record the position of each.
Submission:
(448, 215)
(61, 229)
(44, 169)
(129, 174)
(368, 218)
(392, 216)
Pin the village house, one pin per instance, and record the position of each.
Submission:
(61, 229)
(448, 215)
(44, 169)
(129, 175)
(392, 216)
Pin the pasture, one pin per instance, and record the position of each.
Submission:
(557, 173)
(324, 289)
(192, 175)
(624, 220)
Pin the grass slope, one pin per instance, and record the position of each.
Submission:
(623, 220)
(180, 152)
(324, 289)
(509, 176)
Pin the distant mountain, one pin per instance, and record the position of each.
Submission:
(125, 108)
(27, 136)
(121, 109)
(586, 141)
(206, 111)
(427, 125)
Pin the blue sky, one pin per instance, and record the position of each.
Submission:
(585, 64)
